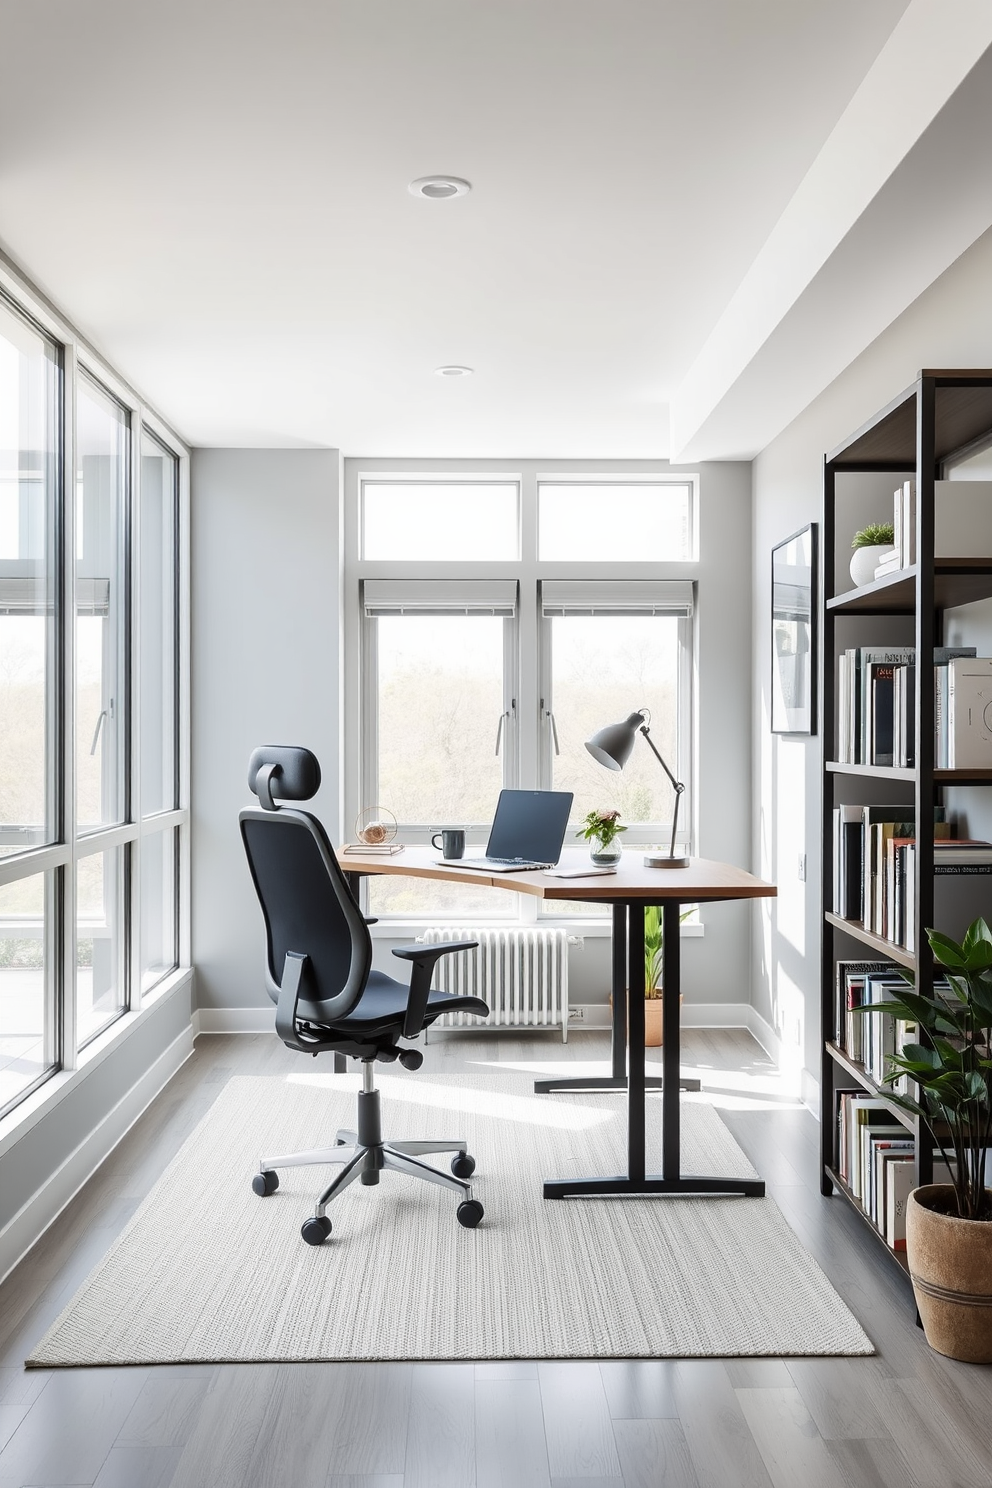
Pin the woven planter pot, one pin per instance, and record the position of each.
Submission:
(950, 1261)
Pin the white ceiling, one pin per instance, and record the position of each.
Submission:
(669, 197)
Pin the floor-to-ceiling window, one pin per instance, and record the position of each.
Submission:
(92, 815)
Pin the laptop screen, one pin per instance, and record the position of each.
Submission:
(529, 824)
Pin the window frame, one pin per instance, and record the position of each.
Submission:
(77, 360)
(527, 679)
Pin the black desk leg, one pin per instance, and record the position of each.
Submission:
(671, 1180)
(635, 1039)
(671, 1049)
(617, 1078)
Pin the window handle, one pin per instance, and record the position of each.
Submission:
(96, 731)
(549, 715)
(502, 717)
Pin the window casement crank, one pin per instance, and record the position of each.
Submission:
(502, 717)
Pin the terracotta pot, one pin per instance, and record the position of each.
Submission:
(950, 1261)
(654, 1022)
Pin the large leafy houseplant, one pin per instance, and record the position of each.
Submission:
(954, 1076)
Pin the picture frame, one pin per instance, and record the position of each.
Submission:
(794, 633)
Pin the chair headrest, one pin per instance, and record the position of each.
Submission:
(284, 770)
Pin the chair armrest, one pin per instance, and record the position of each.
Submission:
(424, 958)
(289, 997)
(371, 919)
(440, 948)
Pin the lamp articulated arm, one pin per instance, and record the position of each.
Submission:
(677, 784)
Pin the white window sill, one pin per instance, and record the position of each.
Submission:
(37, 1105)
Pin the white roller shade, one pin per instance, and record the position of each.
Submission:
(584, 597)
(440, 597)
(21, 594)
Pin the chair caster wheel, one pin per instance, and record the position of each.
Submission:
(469, 1213)
(316, 1229)
(265, 1183)
(462, 1165)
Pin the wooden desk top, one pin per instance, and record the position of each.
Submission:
(703, 881)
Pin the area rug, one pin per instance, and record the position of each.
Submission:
(208, 1272)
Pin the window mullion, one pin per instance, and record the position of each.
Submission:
(67, 689)
(132, 762)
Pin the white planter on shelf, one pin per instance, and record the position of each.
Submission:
(865, 561)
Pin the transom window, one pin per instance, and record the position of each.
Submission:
(493, 625)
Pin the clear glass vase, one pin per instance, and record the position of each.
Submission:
(605, 856)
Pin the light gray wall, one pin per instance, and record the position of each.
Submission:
(949, 326)
(265, 564)
(265, 669)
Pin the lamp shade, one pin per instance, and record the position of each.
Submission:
(612, 745)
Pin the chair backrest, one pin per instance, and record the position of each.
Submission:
(305, 899)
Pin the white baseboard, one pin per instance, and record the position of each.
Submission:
(46, 1204)
(760, 1029)
(595, 1015)
(809, 1092)
(235, 1019)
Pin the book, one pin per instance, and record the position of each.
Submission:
(904, 714)
(908, 514)
(373, 849)
(849, 980)
(864, 656)
(969, 713)
(881, 715)
(897, 821)
(847, 839)
(897, 1149)
(900, 1182)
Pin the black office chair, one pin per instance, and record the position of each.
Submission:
(328, 999)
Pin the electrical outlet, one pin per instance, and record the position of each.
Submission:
(576, 1015)
(802, 867)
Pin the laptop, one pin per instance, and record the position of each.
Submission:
(527, 832)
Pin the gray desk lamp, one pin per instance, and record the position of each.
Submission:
(612, 746)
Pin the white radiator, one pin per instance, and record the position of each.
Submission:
(521, 974)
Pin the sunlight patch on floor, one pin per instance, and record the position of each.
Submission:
(528, 1110)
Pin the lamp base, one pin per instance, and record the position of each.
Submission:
(662, 860)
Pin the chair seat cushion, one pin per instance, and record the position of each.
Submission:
(383, 1005)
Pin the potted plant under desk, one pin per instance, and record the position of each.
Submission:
(654, 958)
(949, 1225)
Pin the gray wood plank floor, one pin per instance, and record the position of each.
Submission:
(903, 1419)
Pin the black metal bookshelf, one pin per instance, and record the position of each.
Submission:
(942, 416)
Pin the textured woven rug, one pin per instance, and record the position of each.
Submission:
(206, 1271)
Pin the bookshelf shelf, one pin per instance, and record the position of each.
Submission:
(956, 581)
(894, 772)
(942, 416)
(877, 772)
(882, 947)
(864, 1079)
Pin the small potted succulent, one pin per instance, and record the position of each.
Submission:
(601, 829)
(949, 1225)
(871, 544)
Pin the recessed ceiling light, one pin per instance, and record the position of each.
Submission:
(439, 188)
(453, 371)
